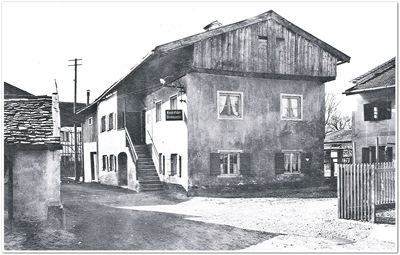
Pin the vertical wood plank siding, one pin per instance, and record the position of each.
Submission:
(244, 50)
(363, 187)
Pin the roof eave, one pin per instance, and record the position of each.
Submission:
(357, 91)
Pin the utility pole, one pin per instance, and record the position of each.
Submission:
(77, 172)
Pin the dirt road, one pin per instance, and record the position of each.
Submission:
(110, 218)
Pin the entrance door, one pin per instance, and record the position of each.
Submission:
(134, 126)
(122, 169)
(93, 165)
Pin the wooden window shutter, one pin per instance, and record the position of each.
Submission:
(121, 119)
(389, 154)
(364, 155)
(368, 112)
(372, 156)
(279, 163)
(215, 164)
(306, 159)
(385, 110)
(245, 164)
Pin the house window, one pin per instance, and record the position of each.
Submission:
(229, 163)
(292, 162)
(377, 111)
(90, 121)
(105, 163)
(113, 163)
(65, 158)
(174, 102)
(230, 105)
(174, 162)
(291, 107)
(103, 123)
(111, 121)
(65, 136)
(158, 111)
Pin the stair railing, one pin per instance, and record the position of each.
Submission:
(154, 150)
(132, 150)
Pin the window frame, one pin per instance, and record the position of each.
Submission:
(299, 152)
(158, 111)
(103, 123)
(171, 98)
(229, 152)
(301, 106)
(111, 121)
(241, 105)
(90, 121)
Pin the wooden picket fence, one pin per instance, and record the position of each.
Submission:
(364, 188)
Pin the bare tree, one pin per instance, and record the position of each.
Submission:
(334, 119)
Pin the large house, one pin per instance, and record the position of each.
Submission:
(374, 121)
(237, 104)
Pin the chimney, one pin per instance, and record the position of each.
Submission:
(87, 97)
(212, 25)
(56, 114)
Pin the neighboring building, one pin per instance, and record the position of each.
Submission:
(32, 156)
(238, 104)
(11, 91)
(374, 121)
(67, 138)
(337, 149)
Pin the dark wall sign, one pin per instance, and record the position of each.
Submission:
(173, 115)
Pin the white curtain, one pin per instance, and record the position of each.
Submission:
(222, 102)
(235, 105)
(294, 107)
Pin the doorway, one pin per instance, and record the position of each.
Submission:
(136, 126)
(93, 165)
(122, 169)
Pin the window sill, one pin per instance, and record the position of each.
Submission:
(290, 173)
(229, 175)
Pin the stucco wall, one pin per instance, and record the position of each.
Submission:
(366, 132)
(261, 132)
(169, 137)
(36, 177)
(112, 142)
(87, 149)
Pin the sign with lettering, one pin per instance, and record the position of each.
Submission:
(173, 115)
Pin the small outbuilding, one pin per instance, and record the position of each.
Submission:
(32, 157)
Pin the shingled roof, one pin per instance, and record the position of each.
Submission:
(380, 77)
(29, 121)
(340, 136)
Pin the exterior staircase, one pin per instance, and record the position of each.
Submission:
(146, 171)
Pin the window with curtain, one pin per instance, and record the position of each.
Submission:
(173, 102)
(230, 105)
(229, 163)
(291, 107)
(292, 162)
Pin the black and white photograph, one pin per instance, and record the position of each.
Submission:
(199, 127)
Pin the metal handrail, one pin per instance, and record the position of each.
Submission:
(135, 156)
(152, 142)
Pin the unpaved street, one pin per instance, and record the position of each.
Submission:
(109, 218)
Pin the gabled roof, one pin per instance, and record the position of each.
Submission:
(165, 49)
(380, 77)
(340, 136)
(10, 91)
(265, 16)
(29, 121)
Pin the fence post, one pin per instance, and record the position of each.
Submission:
(338, 190)
(373, 186)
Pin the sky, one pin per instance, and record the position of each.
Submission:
(39, 38)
